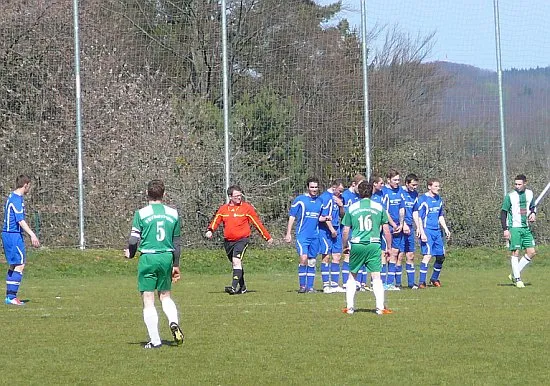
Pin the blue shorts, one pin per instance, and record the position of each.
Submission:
(308, 246)
(14, 248)
(397, 241)
(329, 244)
(408, 242)
(434, 245)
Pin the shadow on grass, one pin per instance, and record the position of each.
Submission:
(167, 343)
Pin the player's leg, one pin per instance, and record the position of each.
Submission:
(14, 250)
(527, 243)
(438, 251)
(356, 261)
(384, 267)
(324, 250)
(171, 312)
(400, 246)
(409, 246)
(514, 245)
(425, 248)
(373, 264)
(147, 283)
(239, 251)
(312, 252)
(337, 249)
(392, 262)
(302, 265)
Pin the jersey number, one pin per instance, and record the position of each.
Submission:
(161, 233)
(365, 223)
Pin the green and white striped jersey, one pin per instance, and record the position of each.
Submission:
(518, 205)
(365, 217)
(156, 225)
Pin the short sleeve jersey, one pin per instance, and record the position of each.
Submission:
(14, 211)
(409, 199)
(156, 225)
(306, 210)
(330, 208)
(365, 217)
(429, 210)
(518, 205)
(349, 197)
(393, 201)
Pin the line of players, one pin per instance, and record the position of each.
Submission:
(318, 231)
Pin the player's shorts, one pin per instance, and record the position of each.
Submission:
(14, 248)
(155, 272)
(308, 246)
(434, 245)
(409, 244)
(329, 244)
(521, 238)
(397, 241)
(368, 255)
(235, 248)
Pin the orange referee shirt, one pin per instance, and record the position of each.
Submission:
(236, 221)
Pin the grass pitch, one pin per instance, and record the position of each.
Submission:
(83, 326)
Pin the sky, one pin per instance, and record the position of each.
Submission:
(465, 29)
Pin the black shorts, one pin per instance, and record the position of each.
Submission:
(235, 248)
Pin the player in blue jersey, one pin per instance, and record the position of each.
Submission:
(393, 202)
(410, 196)
(350, 196)
(330, 236)
(429, 217)
(12, 238)
(306, 212)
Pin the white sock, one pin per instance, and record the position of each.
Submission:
(378, 291)
(151, 319)
(523, 262)
(169, 308)
(515, 267)
(350, 292)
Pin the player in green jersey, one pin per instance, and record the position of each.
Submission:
(518, 210)
(365, 218)
(156, 235)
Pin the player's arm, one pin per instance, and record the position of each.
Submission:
(34, 240)
(504, 224)
(214, 224)
(345, 237)
(255, 219)
(387, 236)
(288, 236)
(176, 259)
(532, 212)
(444, 226)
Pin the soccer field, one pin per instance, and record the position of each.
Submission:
(85, 327)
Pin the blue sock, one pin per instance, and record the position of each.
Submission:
(436, 271)
(335, 273)
(390, 278)
(310, 277)
(410, 274)
(345, 272)
(423, 272)
(398, 275)
(13, 281)
(302, 272)
(383, 273)
(365, 276)
(325, 274)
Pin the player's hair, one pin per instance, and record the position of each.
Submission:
(337, 182)
(391, 173)
(365, 189)
(358, 178)
(155, 190)
(521, 177)
(431, 181)
(310, 180)
(21, 180)
(374, 178)
(233, 188)
(410, 178)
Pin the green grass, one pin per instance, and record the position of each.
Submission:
(83, 326)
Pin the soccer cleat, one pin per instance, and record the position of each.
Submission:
(511, 279)
(177, 333)
(338, 289)
(242, 290)
(413, 287)
(391, 287)
(151, 345)
(302, 290)
(230, 290)
(384, 311)
(421, 285)
(14, 302)
(311, 291)
(348, 311)
(519, 284)
(327, 289)
(435, 283)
